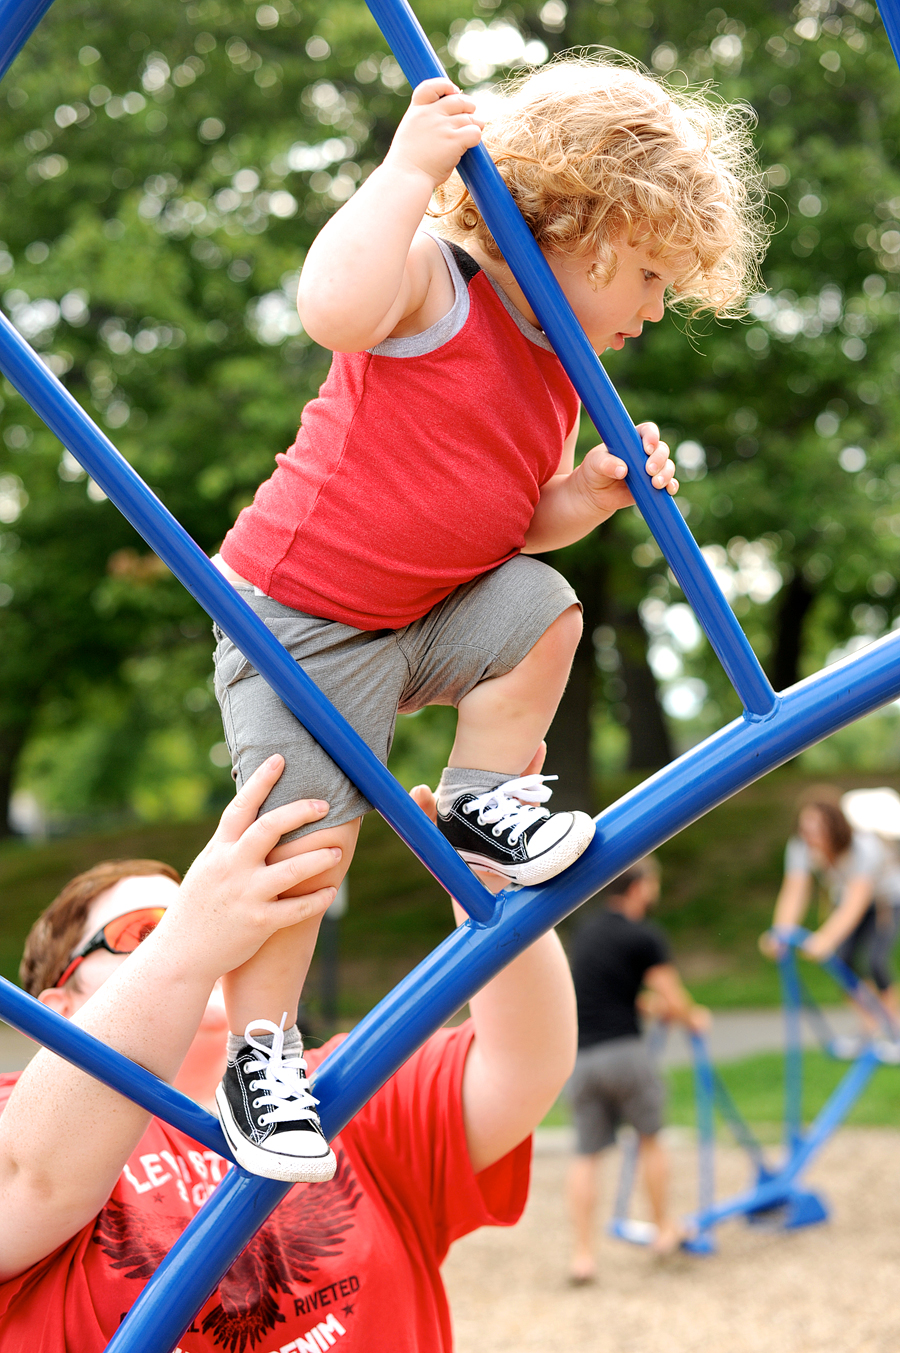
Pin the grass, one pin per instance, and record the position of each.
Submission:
(756, 1085)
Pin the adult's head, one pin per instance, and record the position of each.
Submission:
(111, 890)
(635, 890)
(823, 826)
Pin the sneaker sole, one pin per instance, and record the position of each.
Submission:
(286, 1169)
(544, 866)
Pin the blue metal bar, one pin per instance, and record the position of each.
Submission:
(890, 15)
(704, 1091)
(609, 415)
(845, 977)
(793, 1048)
(64, 416)
(774, 1191)
(64, 1038)
(18, 20)
(473, 954)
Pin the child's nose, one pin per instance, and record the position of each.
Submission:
(654, 310)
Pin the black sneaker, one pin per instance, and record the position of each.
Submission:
(268, 1113)
(505, 830)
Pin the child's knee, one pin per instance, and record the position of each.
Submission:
(565, 632)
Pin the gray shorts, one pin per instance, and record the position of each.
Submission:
(613, 1083)
(481, 630)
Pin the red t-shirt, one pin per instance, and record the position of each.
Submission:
(352, 1264)
(411, 474)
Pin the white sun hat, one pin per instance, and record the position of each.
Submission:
(873, 810)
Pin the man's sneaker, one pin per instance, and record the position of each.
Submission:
(507, 832)
(268, 1114)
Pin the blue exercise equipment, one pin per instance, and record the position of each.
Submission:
(773, 728)
(777, 1198)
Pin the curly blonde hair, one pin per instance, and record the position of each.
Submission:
(595, 150)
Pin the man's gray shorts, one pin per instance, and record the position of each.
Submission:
(481, 630)
(613, 1083)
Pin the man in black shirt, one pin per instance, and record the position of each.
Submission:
(615, 956)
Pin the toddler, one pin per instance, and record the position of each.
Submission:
(391, 551)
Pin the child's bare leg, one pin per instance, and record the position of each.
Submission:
(265, 1105)
(486, 810)
(503, 720)
(271, 982)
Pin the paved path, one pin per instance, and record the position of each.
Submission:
(741, 1033)
(735, 1034)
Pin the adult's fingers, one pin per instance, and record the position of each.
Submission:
(287, 873)
(247, 802)
(424, 797)
(263, 834)
(288, 911)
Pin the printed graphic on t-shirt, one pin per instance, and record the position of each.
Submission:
(312, 1225)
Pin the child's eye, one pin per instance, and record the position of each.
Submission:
(650, 276)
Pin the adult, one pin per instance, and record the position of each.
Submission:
(94, 1192)
(859, 873)
(616, 955)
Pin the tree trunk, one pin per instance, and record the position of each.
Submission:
(796, 600)
(12, 740)
(649, 744)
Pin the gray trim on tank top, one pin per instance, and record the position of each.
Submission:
(449, 325)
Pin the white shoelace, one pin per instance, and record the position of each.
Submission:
(513, 804)
(285, 1092)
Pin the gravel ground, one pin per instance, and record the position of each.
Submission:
(826, 1289)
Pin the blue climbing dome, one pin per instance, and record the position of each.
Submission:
(772, 729)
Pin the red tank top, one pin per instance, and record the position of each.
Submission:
(417, 468)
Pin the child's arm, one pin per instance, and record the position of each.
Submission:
(367, 271)
(576, 500)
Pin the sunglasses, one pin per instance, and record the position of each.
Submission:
(121, 936)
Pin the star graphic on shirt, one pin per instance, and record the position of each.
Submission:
(158, 1198)
(312, 1222)
(348, 1310)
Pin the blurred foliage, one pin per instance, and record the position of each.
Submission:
(163, 169)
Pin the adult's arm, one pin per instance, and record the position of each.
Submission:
(793, 899)
(673, 1001)
(65, 1137)
(526, 1038)
(855, 900)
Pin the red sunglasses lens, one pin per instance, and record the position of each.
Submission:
(124, 934)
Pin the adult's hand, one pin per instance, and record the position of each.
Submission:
(229, 903)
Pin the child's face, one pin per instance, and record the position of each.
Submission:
(634, 297)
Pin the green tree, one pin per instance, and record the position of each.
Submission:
(162, 171)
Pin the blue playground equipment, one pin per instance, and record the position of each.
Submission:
(777, 1197)
(773, 728)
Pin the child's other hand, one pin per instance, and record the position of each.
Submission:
(660, 466)
(603, 475)
(436, 130)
